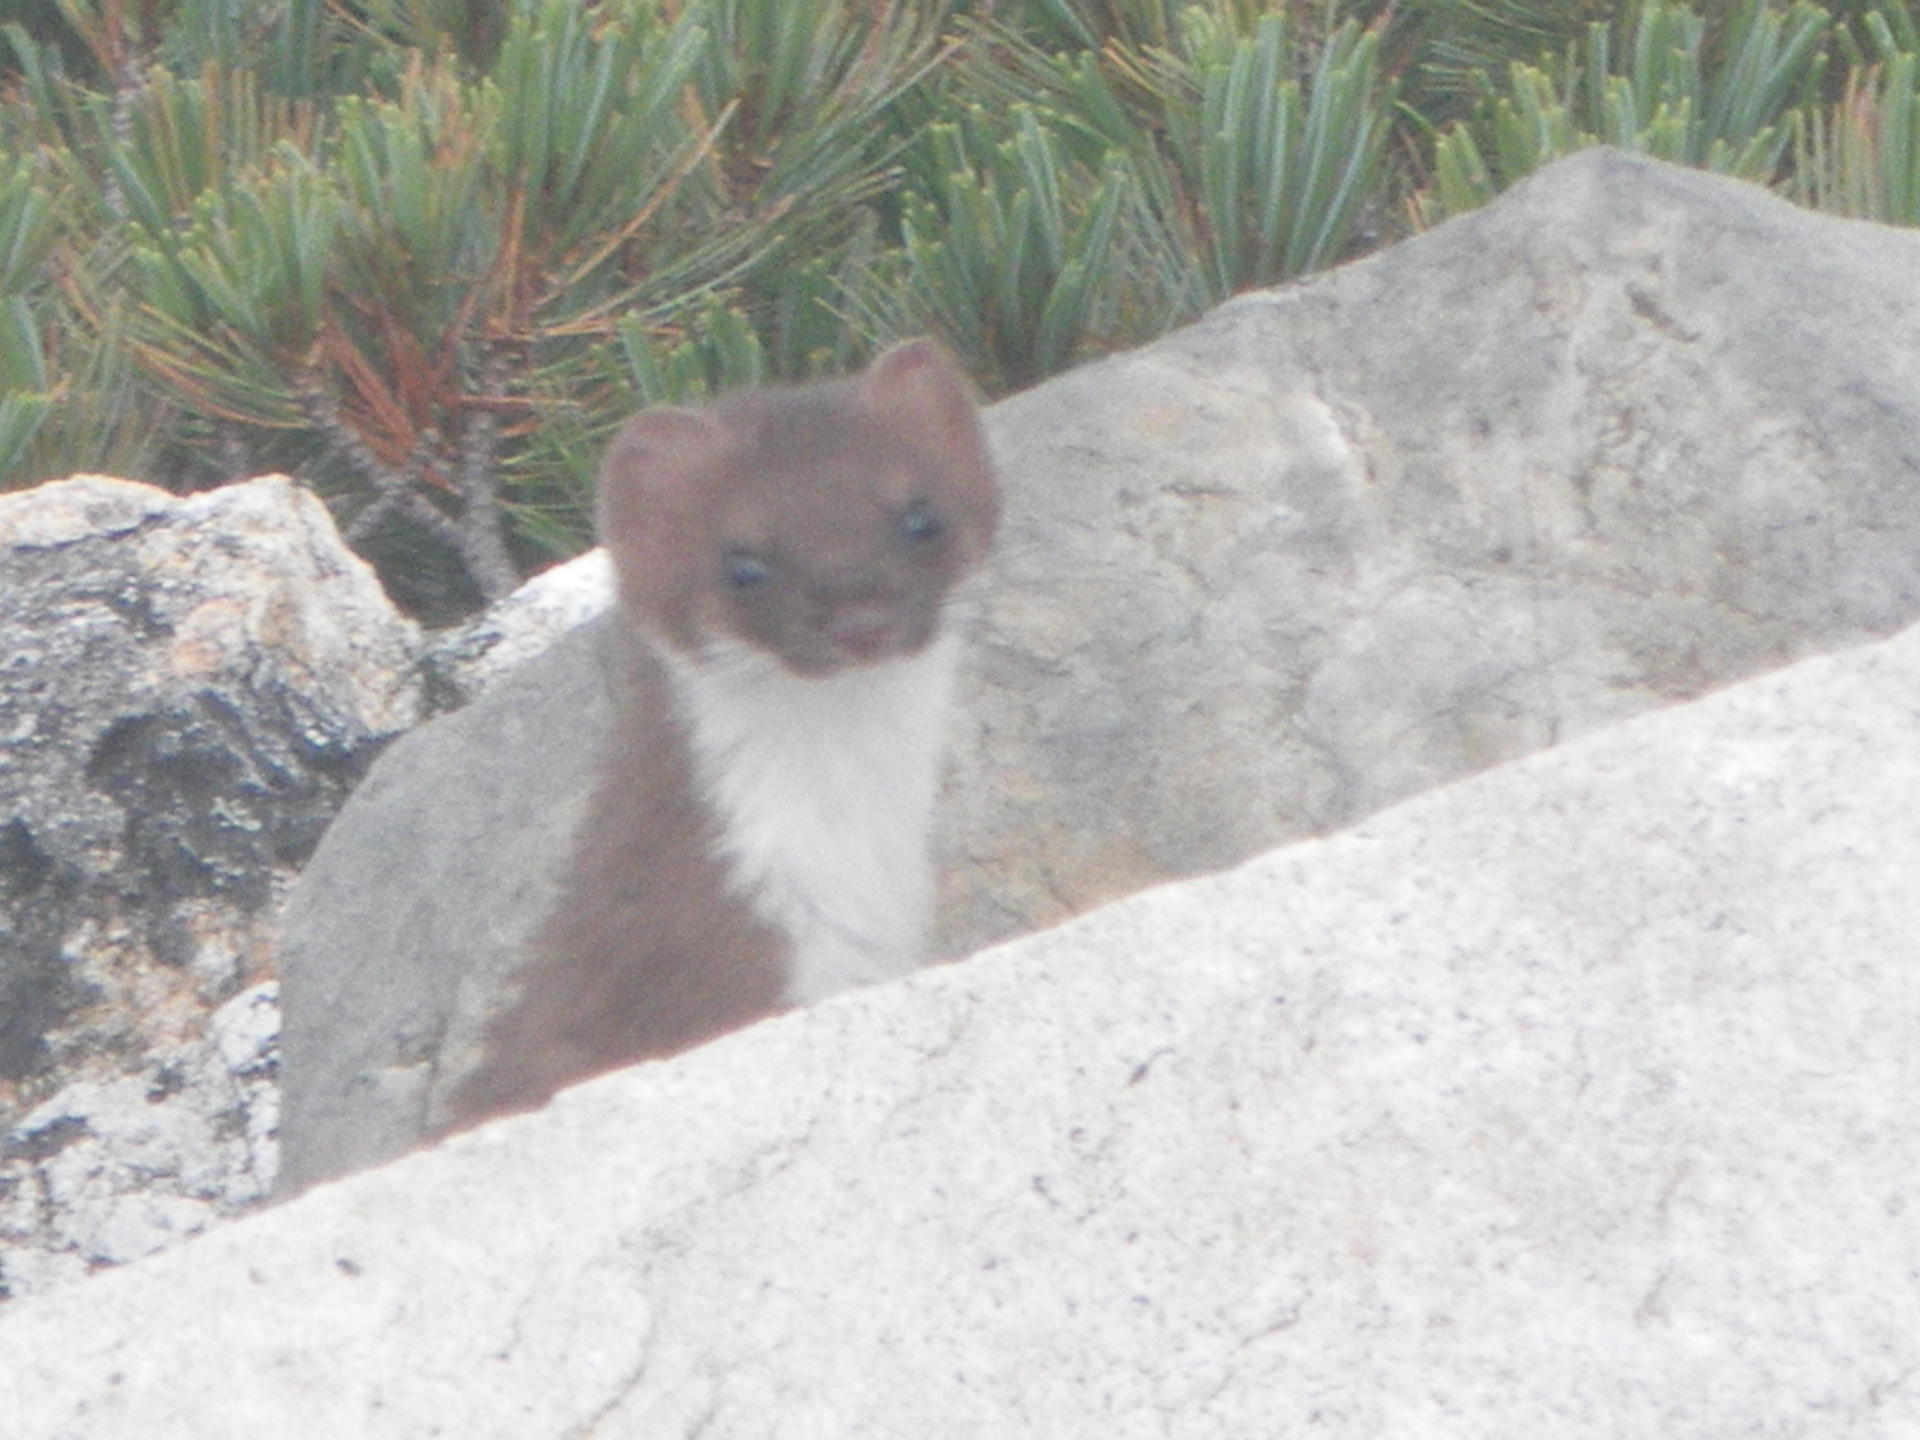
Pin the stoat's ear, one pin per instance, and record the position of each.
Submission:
(655, 514)
(918, 387)
(652, 470)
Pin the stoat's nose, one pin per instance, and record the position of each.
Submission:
(863, 629)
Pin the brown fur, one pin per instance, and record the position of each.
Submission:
(644, 888)
(649, 951)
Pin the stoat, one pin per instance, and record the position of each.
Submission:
(789, 561)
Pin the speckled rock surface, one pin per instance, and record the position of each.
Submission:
(188, 690)
(1573, 1099)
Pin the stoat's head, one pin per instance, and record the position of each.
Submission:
(825, 526)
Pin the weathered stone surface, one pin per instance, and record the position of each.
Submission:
(188, 690)
(138, 1153)
(385, 980)
(1627, 434)
(1571, 1100)
(388, 978)
(467, 659)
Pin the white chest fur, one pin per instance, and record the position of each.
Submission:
(824, 791)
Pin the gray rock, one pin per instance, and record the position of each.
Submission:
(467, 659)
(1628, 434)
(190, 688)
(1569, 1100)
(386, 976)
(127, 1158)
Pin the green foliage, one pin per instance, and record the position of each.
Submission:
(1861, 155)
(1455, 48)
(66, 403)
(425, 254)
(1282, 157)
(1088, 198)
(1652, 84)
(26, 227)
(1006, 249)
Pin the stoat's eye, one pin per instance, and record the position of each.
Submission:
(922, 524)
(745, 569)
